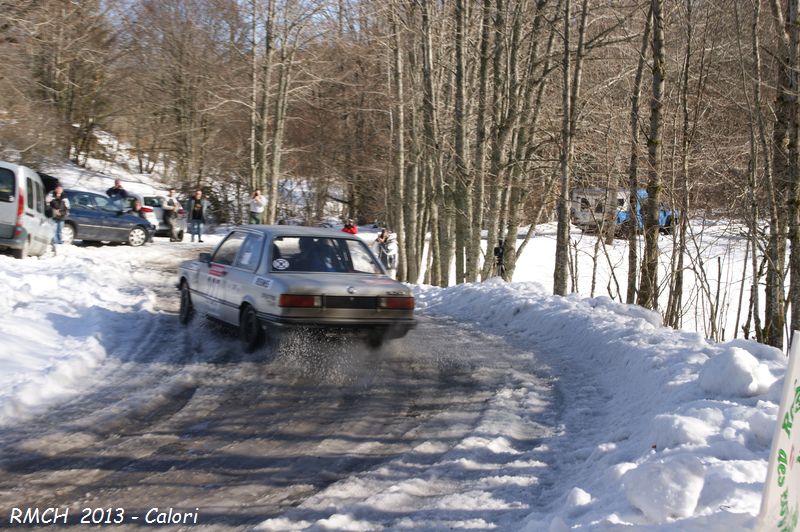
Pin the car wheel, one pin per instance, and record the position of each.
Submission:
(250, 329)
(187, 310)
(137, 236)
(67, 234)
(23, 251)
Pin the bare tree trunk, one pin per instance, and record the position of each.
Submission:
(438, 193)
(253, 93)
(793, 170)
(672, 315)
(759, 116)
(398, 188)
(775, 314)
(521, 176)
(648, 288)
(463, 181)
(633, 166)
(561, 272)
(263, 107)
(479, 167)
(279, 126)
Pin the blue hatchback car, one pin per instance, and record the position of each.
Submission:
(94, 218)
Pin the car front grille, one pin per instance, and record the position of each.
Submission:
(351, 302)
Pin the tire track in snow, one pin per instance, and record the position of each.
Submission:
(197, 423)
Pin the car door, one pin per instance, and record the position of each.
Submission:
(84, 215)
(213, 274)
(240, 277)
(40, 226)
(114, 226)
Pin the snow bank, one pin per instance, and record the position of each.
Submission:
(55, 312)
(658, 427)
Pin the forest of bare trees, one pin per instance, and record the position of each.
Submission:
(460, 124)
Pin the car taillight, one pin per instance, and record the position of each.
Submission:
(293, 300)
(147, 209)
(20, 213)
(396, 303)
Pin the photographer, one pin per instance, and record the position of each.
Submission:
(499, 266)
(257, 205)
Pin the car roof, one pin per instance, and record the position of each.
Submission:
(297, 230)
(10, 166)
(84, 191)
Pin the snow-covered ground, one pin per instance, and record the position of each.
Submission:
(592, 416)
(55, 310)
(640, 424)
(717, 271)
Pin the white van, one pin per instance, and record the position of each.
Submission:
(24, 227)
(590, 208)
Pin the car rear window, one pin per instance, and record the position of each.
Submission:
(81, 200)
(322, 254)
(152, 201)
(7, 185)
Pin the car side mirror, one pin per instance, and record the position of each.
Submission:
(204, 257)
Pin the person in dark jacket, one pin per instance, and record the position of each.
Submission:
(117, 192)
(198, 207)
(60, 207)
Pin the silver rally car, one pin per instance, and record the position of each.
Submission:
(268, 278)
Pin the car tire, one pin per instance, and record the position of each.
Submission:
(68, 234)
(137, 236)
(22, 253)
(187, 309)
(250, 329)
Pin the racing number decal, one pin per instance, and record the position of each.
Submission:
(215, 293)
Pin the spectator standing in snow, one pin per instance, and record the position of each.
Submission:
(117, 192)
(499, 261)
(383, 236)
(197, 215)
(349, 227)
(171, 207)
(257, 204)
(60, 207)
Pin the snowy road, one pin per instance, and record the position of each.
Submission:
(181, 418)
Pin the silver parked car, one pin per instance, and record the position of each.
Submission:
(266, 279)
(24, 226)
(151, 205)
